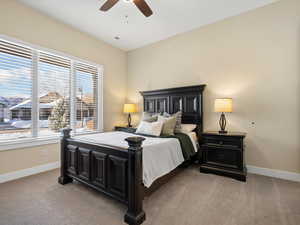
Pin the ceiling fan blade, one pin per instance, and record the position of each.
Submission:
(108, 4)
(143, 7)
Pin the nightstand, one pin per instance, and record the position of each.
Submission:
(223, 154)
(125, 129)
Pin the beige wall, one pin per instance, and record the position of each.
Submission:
(26, 24)
(253, 58)
(14, 160)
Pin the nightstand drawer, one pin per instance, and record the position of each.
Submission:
(228, 158)
(222, 141)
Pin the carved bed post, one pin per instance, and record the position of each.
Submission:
(64, 179)
(135, 214)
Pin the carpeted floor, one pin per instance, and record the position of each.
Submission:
(190, 198)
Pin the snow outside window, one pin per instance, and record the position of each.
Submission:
(42, 92)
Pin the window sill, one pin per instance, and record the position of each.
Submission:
(27, 143)
(32, 142)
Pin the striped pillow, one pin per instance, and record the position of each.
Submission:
(168, 125)
(178, 117)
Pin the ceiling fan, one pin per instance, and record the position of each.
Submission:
(141, 4)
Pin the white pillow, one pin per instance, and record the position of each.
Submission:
(188, 127)
(148, 128)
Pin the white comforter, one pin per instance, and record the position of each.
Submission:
(160, 155)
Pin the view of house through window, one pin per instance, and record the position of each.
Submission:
(15, 91)
(86, 84)
(54, 93)
(53, 85)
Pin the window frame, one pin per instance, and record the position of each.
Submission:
(36, 140)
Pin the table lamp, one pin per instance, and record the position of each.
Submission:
(129, 108)
(223, 105)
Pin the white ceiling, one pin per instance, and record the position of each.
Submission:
(170, 17)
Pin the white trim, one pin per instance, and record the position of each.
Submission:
(100, 98)
(27, 143)
(36, 50)
(27, 172)
(73, 112)
(20, 144)
(35, 94)
(50, 166)
(47, 50)
(274, 173)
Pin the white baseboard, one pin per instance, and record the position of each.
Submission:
(274, 173)
(27, 172)
(50, 166)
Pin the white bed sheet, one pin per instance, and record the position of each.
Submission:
(160, 155)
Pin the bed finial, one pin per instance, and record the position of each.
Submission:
(135, 213)
(64, 178)
(135, 142)
(66, 132)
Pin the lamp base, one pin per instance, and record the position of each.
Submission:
(223, 131)
(129, 120)
(222, 123)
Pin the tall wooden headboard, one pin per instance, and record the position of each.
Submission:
(189, 100)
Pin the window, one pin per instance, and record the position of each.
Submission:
(54, 93)
(42, 92)
(86, 96)
(15, 91)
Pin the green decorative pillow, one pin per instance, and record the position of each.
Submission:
(168, 126)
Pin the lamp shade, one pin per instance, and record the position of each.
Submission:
(130, 108)
(223, 105)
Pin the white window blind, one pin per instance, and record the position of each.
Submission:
(42, 92)
(15, 91)
(54, 93)
(86, 97)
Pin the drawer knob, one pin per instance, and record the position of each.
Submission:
(221, 142)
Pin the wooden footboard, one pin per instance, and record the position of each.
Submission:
(116, 172)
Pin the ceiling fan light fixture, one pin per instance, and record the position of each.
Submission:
(140, 4)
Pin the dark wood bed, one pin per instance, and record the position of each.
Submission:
(118, 172)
